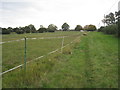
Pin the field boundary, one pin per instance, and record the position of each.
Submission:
(35, 38)
(39, 57)
(31, 39)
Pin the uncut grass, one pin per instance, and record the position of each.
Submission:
(92, 64)
(37, 35)
(13, 52)
(35, 74)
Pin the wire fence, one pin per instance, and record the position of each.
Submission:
(37, 48)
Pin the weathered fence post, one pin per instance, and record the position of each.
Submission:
(62, 44)
(25, 55)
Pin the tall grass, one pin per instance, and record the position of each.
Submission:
(13, 52)
(93, 63)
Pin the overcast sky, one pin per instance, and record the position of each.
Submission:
(15, 13)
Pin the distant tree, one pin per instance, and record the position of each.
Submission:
(78, 28)
(117, 15)
(41, 30)
(5, 31)
(65, 27)
(101, 29)
(32, 28)
(26, 29)
(109, 19)
(15, 29)
(90, 27)
(10, 29)
(52, 28)
(86, 27)
(19, 30)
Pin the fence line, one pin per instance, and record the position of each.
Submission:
(31, 39)
(37, 58)
(35, 38)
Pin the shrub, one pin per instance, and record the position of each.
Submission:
(78, 28)
(19, 31)
(90, 27)
(100, 29)
(112, 29)
(5, 31)
(41, 30)
(50, 30)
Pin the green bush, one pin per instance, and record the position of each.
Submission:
(50, 30)
(5, 31)
(19, 31)
(112, 29)
(90, 27)
(100, 29)
(41, 30)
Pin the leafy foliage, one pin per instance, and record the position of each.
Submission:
(65, 27)
(52, 28)
(19, 31)
(90, 27)
(41, 30)
(111, 29)
(5, 31)
(113, 24)
(78, 28)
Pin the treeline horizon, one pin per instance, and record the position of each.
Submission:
(51, 28)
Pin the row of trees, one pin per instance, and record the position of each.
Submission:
(19, 30)
(66, 27)
(51, 28)
(111, 24)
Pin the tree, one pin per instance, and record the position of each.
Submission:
(78, 28)
(41, 30)
(52, 28)
(109, 19)
(15, 29)
(86, 27)
(90, 27)
(19, 30)
(65, 27)
(26, 29)
(118, 22)
(32, 28)
(5, 31)
(10, 29)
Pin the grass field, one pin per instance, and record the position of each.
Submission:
(90, 62)
(13, 52)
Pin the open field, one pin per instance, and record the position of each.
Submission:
(90, 62)
(36, 35)
(13, 52)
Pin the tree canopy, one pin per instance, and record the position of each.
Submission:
(52, 28)
(90, 27)
(65, 27)
(78, 28)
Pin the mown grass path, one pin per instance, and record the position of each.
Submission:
(91, 62)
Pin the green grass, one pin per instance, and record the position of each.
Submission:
(90, 62)
(13, 52)
(14, 36)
